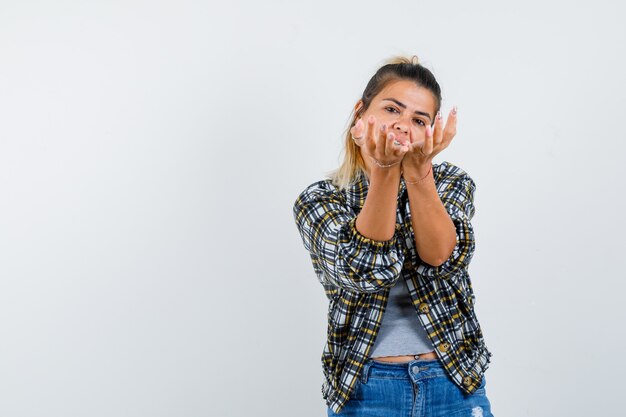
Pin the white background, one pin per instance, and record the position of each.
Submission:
(151, 152)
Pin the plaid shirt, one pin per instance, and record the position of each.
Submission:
(357, 274)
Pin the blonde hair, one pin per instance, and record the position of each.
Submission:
(393, 69)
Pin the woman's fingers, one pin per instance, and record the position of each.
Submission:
(382, 140)
(439, 138)
(450, 130)
(393, 147)
(427, 148)
(370, 135)
(357, 131)
(438, 134)
(400, 146)
(378, 142)
(388, 144)
(376, 137)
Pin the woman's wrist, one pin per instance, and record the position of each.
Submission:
(389, 172)
(416, 173)
(385, 164)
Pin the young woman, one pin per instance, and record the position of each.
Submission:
(390, 239)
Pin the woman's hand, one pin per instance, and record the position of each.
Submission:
(421, 155)
(377, 143)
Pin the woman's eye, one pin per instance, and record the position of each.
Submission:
(390, 109)
(420, 122)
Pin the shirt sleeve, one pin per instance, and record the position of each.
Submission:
(341, 255)
(457, 196)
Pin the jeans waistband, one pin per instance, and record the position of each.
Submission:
(401, 368)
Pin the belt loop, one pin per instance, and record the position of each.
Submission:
(366, 370)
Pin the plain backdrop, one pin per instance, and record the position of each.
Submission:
(151, 153)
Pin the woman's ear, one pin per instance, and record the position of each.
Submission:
(358, 106)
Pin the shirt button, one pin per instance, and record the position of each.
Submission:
(467, 381)
(444, 347)
(424, 308)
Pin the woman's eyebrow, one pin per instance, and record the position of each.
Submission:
(404, 107)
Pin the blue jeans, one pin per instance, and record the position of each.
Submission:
(419, 388)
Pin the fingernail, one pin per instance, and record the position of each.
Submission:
(370, 119)
(454, 109)
(383, 127)
(439, 115)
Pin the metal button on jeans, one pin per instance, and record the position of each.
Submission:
(415, 369)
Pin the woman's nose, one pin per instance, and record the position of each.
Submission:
(401, 127)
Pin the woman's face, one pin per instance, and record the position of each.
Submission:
(405, 108)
